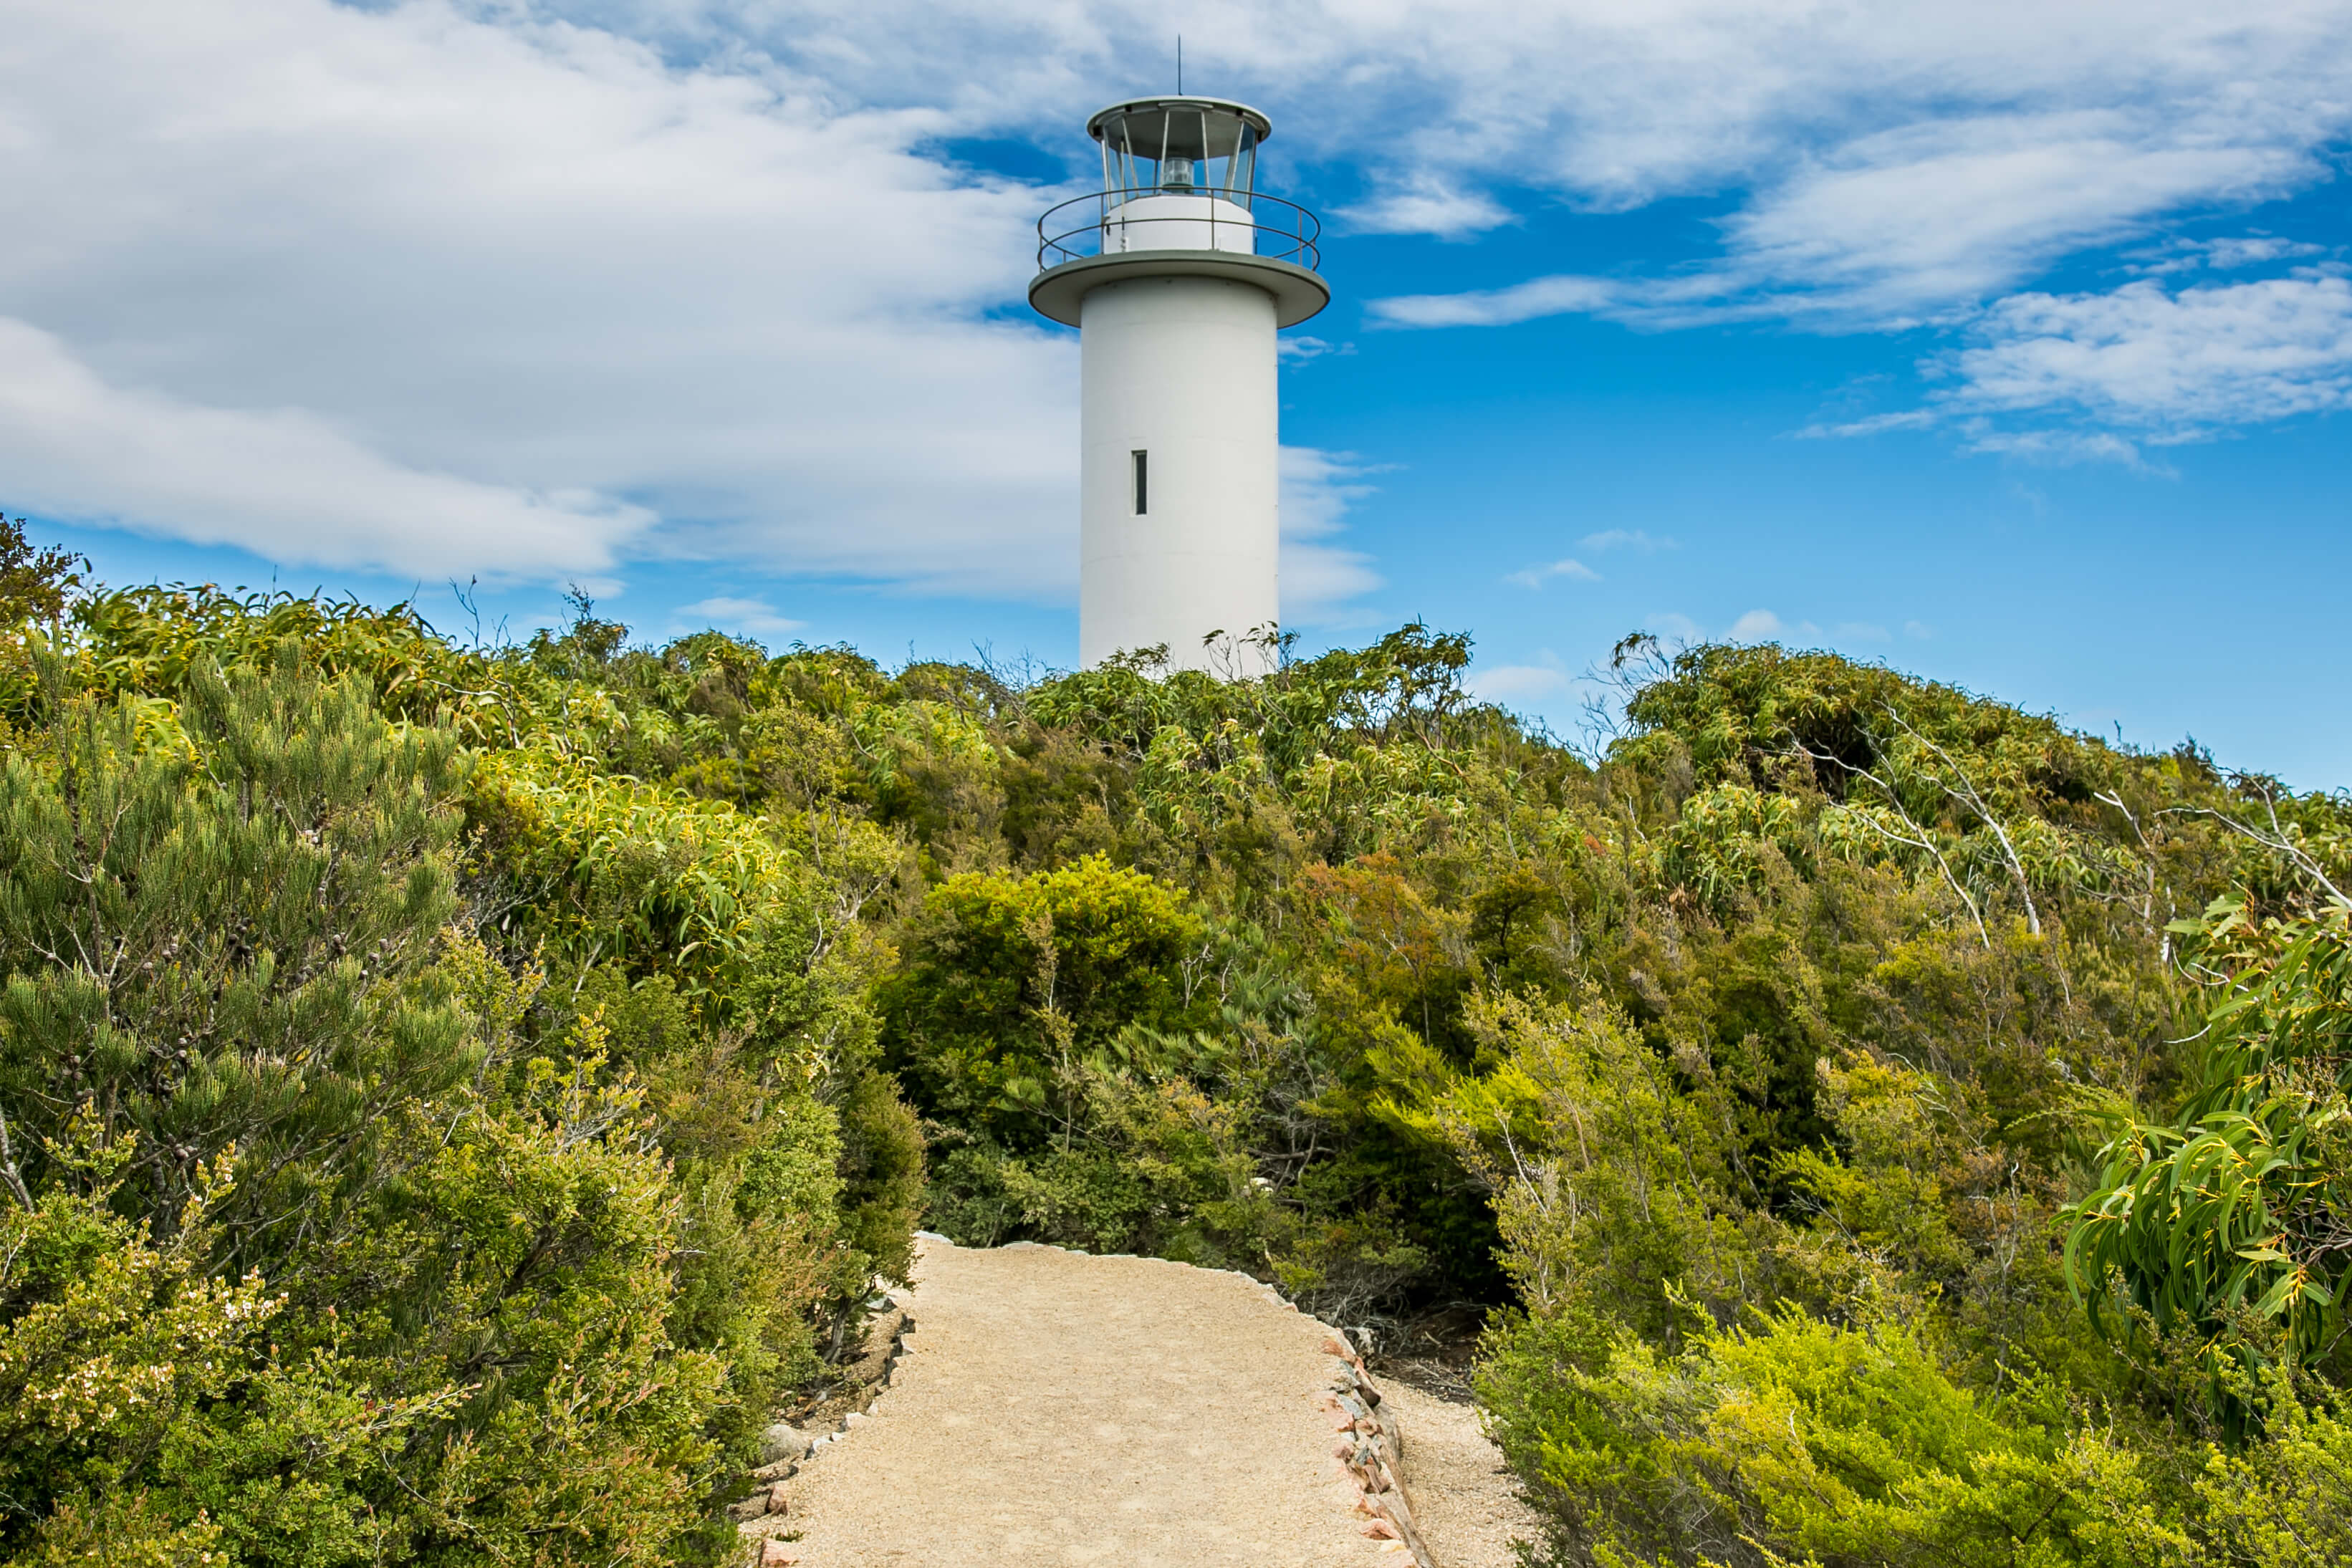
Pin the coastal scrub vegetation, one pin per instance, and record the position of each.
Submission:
(451, 1093)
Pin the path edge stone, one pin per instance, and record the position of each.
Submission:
(1373, 1446)
(758, 1531)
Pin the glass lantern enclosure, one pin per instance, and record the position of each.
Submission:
(1188, 146)
(1179, 173)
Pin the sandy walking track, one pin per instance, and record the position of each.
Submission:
(1057, 1408)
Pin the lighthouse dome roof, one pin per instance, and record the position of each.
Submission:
(1185, 127)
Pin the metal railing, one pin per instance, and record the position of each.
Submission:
(1276, 229)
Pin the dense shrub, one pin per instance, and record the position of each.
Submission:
(454, 1094)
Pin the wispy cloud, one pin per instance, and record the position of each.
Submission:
(2255, 250)
(1526, 302)
(1536, 576)
(754, 617)
(1675, 626)
(1320, 579)
(1547, 680)
(2058, 448)
(1431, 204)
(2100, 376)
(1916, 224)
(1761, 625)
(2175, 365)
(76, 445)
(1634, 540)
(2221, 255)
(1299, 348)
(1871, 424)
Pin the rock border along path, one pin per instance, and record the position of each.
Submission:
(1054, 1407)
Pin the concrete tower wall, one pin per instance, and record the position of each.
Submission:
(1180, 368)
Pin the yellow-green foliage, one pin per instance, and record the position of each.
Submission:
(1795, 1440)
(1612, 1181)
(1010, 983)
(2285, 1501)
(634, 873)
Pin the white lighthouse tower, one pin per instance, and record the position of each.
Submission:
(1178, 273)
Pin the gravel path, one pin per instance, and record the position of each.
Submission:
(1057, 1408)
(1464, 1500)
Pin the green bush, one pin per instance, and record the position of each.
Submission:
(331, 1240)
(1801, 1441)
(1008, 985)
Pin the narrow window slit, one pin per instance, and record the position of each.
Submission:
(1142, 477)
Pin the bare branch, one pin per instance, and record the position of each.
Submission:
(1921, 838)
(2148, 859)
(8, 1172)
(2277, 840)
(1967, 795)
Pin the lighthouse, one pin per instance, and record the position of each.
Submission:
(1176, 273)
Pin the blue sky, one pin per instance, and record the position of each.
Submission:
(2012, 347)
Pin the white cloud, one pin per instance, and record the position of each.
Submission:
(1299, 347)
(1536, 576)
(1634, 540)
(2060, 448)
(2255, 249)
(2139, 365)
(1916, 224)
(1873, 424)
(1428, 205)
(752, 617)
(1925, 218)
(1533, 683)
(282, 481)
(2173, 364)
(531, 272)
(2222, 255)
(1501, 306)
(1757, 625)
(1762, 625)
(1318, 578)
(1674, 626)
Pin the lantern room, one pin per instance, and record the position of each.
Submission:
(1177, 175)
(1180, 146)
